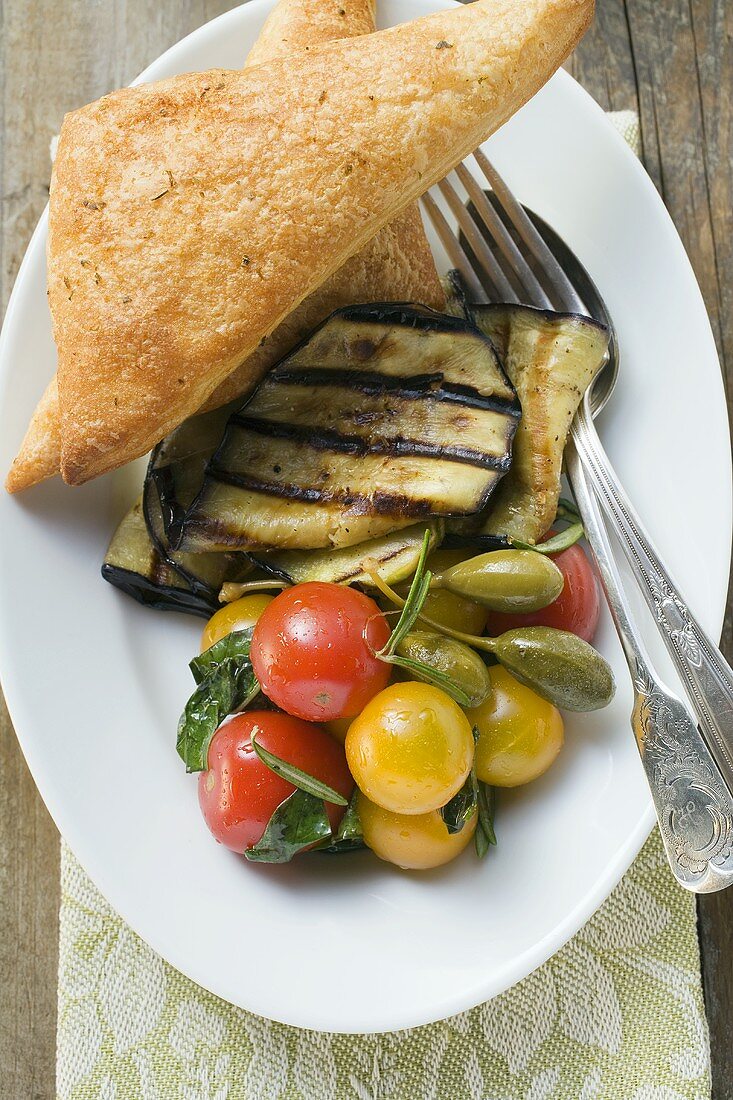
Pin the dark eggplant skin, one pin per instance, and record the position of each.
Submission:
(482, 544)
(176, 471)
(456, 295)
(157, 596)
(134, 564)
(359, 431)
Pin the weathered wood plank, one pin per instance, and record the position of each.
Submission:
(683, 62)
(672, 61)
(52, 59)
(29, 898)
(604, 63)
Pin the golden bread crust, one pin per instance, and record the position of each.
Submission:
(39, 456)
(397, 264)
(189, 217)
(295, 25)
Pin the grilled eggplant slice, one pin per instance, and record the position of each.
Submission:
(385, 415)
(395, 557)
(551, 358)
(175, 582)
(175, 473)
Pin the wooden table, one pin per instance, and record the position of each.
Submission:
(672, 62)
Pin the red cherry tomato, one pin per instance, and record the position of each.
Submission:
(576, 608)
(313, 651)
(239, 794)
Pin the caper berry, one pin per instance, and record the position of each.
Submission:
(559, 665)
(467, 677)
(505, 580)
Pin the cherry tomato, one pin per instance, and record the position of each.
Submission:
(410, 750)
(577, 608)
(445, 607)
(239, 794)
(237, 615)
(313, 651)
(414, 842)
(339, 728)
(519, 732)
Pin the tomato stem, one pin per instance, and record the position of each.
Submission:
(233, 590)
(486, 644)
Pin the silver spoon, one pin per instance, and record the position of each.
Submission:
(687, 757)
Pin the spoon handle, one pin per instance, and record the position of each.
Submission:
(707, 676)
(694, 806)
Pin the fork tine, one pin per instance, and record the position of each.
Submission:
(562, 290)
(450, 243)
(502, 288)
(503, 239)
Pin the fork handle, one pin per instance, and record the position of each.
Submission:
(693, 804)
(707, 676)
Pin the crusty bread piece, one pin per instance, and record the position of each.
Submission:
(189, 217)
(396, 265)
(295, 25)
(39, 456)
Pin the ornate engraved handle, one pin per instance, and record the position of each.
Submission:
(693, 802)
(693, 805)
(706, 674)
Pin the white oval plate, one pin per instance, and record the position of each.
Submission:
(95, 683)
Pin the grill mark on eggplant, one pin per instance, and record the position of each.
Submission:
(325, 439)
(345, 575)
(418, 387)
(404, 314)
(379, 503)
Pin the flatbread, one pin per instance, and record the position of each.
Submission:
(188, 218)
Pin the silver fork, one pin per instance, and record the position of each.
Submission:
(686, 750)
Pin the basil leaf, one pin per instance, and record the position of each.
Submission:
(229, 687)
(433, 676)
(349, 836)
(298, 778)
(412, 607)
(236, 644)
(350, 827)
(462, 806)
(485, 836)
(297, 824)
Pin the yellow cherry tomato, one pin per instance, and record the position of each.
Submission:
(519, 732)
(414, 842)
(338, 728)
(444, 607)
(237, 615)
(411, 748)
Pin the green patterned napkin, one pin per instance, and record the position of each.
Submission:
(617, 1014)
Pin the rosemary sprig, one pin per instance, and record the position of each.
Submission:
(413, 604)
(433, 676)
(298, 778)
(411, 608)
(563, 540)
